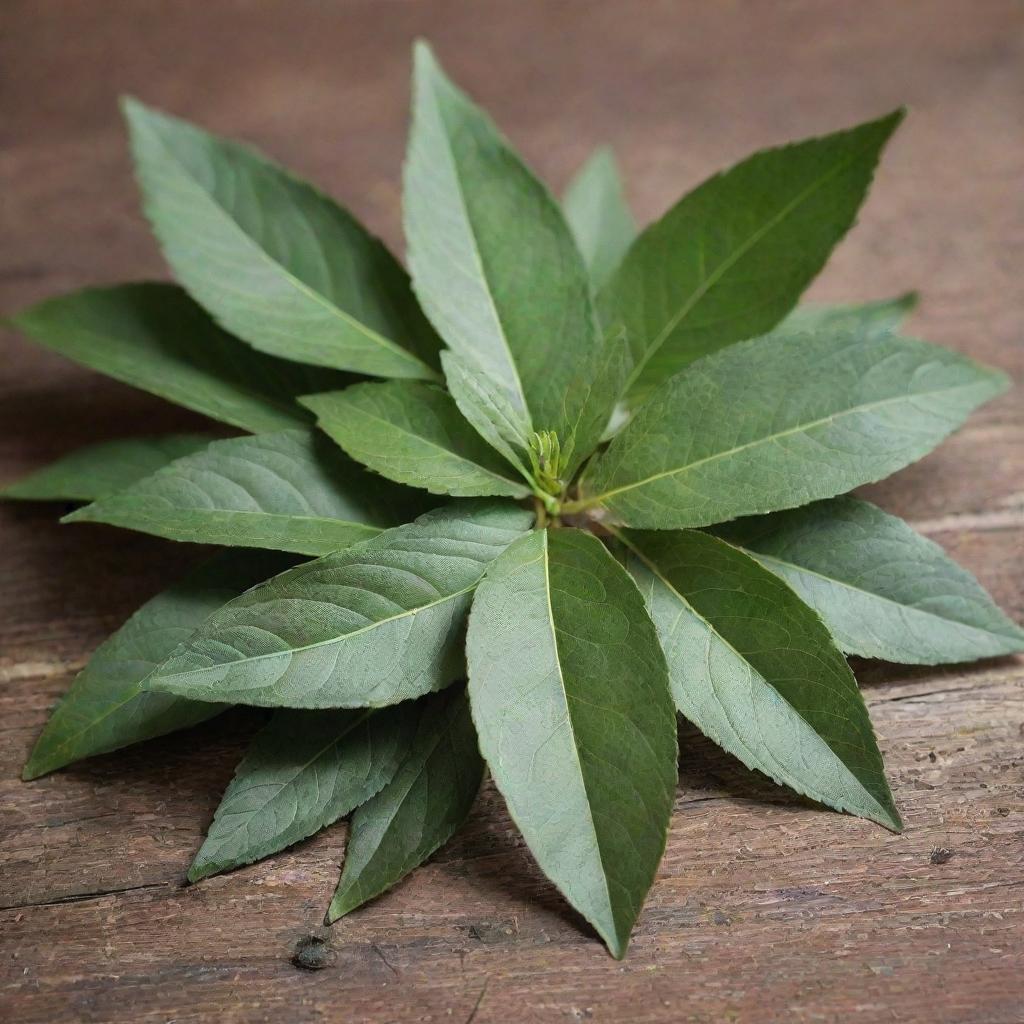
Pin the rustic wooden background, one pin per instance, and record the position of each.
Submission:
(765, 908)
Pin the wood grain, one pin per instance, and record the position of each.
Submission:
(766, 909)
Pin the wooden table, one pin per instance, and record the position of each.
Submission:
(765, 908)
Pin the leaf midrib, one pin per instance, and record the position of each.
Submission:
(734, 257)
(329, 305)
(477, 254)
(343, 638)
(572, 733)
(589, 500)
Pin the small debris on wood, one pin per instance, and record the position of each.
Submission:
(311, 953)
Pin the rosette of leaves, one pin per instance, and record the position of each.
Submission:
(598, 472)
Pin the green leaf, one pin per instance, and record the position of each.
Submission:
(495, 265)
(373, 625)
(154, 337)
(756, 671)
(778, 422)
(274, 260)
(413, 433)
(883, 590)
(868, 319)
(100, 469)
(106, 707)
(730, 259)
(420, 809)
(596, 211)
(571, 702)
(290, 491)
(488, 408)
(304, 771)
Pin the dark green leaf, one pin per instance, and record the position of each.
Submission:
(598, 215)
(778, 422)
(100, 469)
(883, 590)
(496, 267)
(868, 319)
(376, 624)
(106, 707)
(730, 259)
(571, 702)
(304, 771)
(420, 809)
(154, 337)
(275, 261)
(756, 671)
(413, 433)
(290, 491)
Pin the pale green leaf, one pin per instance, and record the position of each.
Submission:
(778, 422)
(756, 670)
(154, 337)
(373, 625)
(883, 590)
(413, 433)
(420, 809)
(867, 319)
(496, 268)
(290, 491)
(101, 469)
(730, 259)
(489, 409)
(106, 707)
(596, 211)
(274, 260)
(304, 771)
(571, 701)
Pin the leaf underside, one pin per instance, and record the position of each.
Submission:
(883, 590)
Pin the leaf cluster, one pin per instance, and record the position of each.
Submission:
(515, 509)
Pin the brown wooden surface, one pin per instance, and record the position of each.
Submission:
(765, 908)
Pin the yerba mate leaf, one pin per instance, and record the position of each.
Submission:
(289, 491)
(413, 433)
(730, 259)
(303, 771)
(868, 319)
(756, 671)
(419, 809)
(274, 260)
(373, 625)
(596, 211)
(495, 265)
(154, 337)
(106, 708)
(571, 702)
(101, 469)
(778, 422)
(883, 590)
